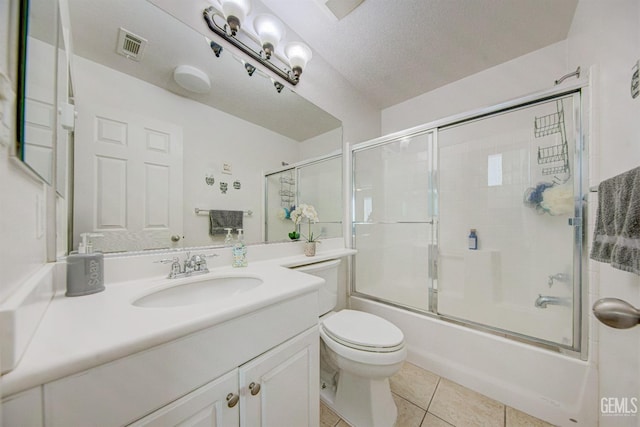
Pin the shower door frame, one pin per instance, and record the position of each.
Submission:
(579, 91)
(335, 154)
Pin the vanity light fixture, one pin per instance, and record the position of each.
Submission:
(226, 19)
(235, 11)
(216, 48)
(270, 30)
(250, 69)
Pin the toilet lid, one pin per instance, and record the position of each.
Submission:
(363, 331)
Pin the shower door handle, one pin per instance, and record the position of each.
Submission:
(616, 313)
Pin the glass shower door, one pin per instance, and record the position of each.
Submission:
(512, 177)
(392, 220)
(320, 185)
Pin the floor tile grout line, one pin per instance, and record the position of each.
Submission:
(441, 419)
(505, 415)
(433, 394)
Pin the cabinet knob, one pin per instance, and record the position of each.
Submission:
(232, 400)
(254, 388)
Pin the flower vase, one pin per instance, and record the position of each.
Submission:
(310, 248)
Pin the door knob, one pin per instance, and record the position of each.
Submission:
(175, 238)
(254, 388)
(616, 313)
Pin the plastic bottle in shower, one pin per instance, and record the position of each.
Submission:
(239, 251)
(473, 240)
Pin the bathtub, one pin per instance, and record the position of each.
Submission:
(557, 388)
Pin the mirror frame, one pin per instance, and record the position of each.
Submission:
(23, 46)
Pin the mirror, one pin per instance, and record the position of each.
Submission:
(39, 43)
(148, 153)
(316, 182)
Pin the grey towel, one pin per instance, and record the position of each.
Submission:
(219, 220)
(616, 238)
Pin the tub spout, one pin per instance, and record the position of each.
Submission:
(543, 300)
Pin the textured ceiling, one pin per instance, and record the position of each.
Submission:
(394, 50)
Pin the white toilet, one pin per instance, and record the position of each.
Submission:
(358, 353)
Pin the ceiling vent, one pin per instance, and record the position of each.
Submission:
(338, 9)
(130, 45)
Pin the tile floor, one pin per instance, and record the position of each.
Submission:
(427, 400)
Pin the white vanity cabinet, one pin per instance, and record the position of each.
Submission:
(187, 381)
(22, 409)
(278, 388)
(281, 387)
(212, 405)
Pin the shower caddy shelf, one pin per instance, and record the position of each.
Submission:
(287, 190)
(547, 125)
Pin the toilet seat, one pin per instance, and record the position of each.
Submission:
(363, 331)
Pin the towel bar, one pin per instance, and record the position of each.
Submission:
(199, 211)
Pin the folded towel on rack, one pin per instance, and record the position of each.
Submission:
(616, 238)
(219, 220)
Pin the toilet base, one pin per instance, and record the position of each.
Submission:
(362, 402)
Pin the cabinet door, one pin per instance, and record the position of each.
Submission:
(22, 409)
(207, 406)
(281, 387)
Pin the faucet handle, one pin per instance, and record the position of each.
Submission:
(201, 261)
(166, 260)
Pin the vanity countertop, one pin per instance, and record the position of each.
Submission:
(80, 333)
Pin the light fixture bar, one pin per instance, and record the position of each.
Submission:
(213, 26)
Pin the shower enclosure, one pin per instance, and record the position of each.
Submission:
(316, 182)
(512, 176)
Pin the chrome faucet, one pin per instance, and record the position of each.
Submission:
(560, 277)
(192, 265)
(543, 300)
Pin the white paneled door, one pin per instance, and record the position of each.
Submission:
(128, 179)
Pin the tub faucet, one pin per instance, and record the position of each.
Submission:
(543, 300)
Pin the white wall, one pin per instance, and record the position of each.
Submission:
(322, 85)
(210, 138)
(513, 79)
(23, 234)
(608, 36)
(604, 35)
(322, 144)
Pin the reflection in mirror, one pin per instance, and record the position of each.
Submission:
(317, 182)
(148, 152)
(37, 91)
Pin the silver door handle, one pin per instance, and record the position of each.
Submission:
(616, 313)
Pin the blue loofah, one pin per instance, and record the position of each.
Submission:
(535, 197)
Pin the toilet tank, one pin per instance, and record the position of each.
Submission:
(328, 293)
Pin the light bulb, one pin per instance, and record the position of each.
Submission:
(235, 11)
(298, 55)
(270, 30)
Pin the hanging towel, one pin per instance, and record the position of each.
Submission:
(616, 238)
(219, 220)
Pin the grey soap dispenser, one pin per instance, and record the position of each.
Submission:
(85, 269)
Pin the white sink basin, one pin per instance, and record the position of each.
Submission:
(199, 292)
